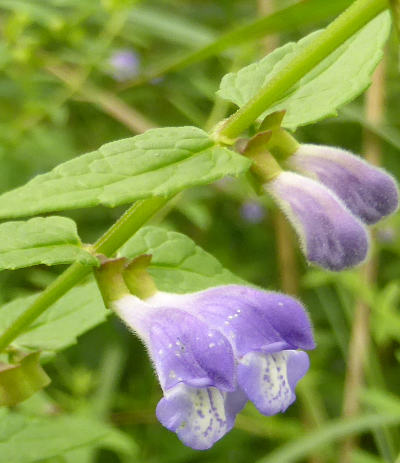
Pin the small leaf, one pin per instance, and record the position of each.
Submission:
(160, 162)
(78, 311)
(177, 264)
(20, 381)
(337, 80)
(49, 241)
(26, 439)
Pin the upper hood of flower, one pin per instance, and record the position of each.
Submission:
(252, 319)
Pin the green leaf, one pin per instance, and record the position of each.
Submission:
(49, 241)
(161, 23)
(160, 162)
(25, 439)
(40, 12)
(117, 441)
(297, 450)
(178, 265)
(78, 311)
(337, 80)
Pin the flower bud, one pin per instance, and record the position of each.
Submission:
(329, 234)
(124, 65)
(369, 192)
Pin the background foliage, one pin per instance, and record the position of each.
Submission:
(58, 99)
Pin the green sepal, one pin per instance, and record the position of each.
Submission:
(21, 380)
(138, 279)
(109, 279)
(282, 145)
(272, 121)
(120, 277)
(264, 167)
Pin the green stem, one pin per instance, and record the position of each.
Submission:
(128, 224)
(348, 23)
(113, 239)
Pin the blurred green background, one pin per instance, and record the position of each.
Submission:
(79, 73)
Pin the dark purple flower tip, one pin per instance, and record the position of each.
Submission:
(368, 191)
(329, 234)
(269, 380)
(252, 319)
(199, 417)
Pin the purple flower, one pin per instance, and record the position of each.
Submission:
(215, 349)
(386, 235)
(369, 192)
(329, 234)
(252, 212)
(124, 65)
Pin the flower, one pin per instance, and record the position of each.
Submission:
(369, 192)
(124, 65)
(386, 235)
(215, 349)
(252, 212)
(329, 234)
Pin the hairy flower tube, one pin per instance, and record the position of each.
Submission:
(368, 191)
(330, 235)
(216, 349)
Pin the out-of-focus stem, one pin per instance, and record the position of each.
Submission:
(108, 102)
(286, 255)
(288, 269)
(265, 8)
(287, 264)
(359, 340)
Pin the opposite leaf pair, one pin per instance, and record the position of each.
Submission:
(214, 350)
(329, 209)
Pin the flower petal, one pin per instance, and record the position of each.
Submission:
(269, 380)
(200, 417)
(369, 192)
(330, 235)
(250, 318)
(185, 349)
(182, 347)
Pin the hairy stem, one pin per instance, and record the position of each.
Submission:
(135, 217)
(348, 23)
